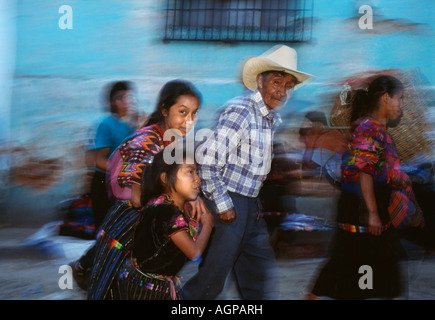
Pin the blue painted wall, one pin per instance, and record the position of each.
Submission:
(58, 74)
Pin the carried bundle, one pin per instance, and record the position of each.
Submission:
(411, 134)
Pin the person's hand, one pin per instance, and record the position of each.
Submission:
(196, 207)
(375, 224)
(228, 216)
(206, 218)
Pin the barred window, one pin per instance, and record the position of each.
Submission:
(239, 20)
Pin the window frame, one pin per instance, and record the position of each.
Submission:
(239, 20)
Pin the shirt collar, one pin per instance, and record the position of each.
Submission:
(115, 116)
(264, 110)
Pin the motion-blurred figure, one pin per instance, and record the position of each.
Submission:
(111, 131)
(377, 198)
(324, 147)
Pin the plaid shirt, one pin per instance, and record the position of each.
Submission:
(236, 157)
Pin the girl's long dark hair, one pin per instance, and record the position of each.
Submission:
(168, 96)
(364, 102)
(152, 185)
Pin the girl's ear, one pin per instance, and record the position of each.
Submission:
(164, 112)
(163, 178)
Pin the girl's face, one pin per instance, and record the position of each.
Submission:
(182, 115)
(187, 185)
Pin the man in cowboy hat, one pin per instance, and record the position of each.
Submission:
(244, 132)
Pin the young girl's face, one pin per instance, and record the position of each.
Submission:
(187, 185)
(182, 115)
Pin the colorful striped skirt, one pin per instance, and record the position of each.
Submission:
(133, 284)
(114, 243)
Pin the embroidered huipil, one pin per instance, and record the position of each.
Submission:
(372, 151)
(131, 157)
(237, 156)
(154, 251)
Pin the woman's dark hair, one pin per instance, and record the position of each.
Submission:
(168, 96)
(152, 185)
(364, 102)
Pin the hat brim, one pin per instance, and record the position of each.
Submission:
(256, 65)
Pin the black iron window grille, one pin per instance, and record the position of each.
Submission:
(239, 20)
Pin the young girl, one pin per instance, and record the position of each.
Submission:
(166, 236)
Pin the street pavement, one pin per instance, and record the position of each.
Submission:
(31, 266)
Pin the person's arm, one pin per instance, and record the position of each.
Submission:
(367, 147)
(228, 216)
(194, 249)
(196, 207)
(135, 195)
(101, 158)
(367, 189)
(102, 144)
(233, 124)
(138, 156)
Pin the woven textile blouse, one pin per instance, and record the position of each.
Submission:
(237, 156)
(372, 151)
(153, 248)
(129, 160)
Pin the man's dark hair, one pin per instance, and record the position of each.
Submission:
(116, 92)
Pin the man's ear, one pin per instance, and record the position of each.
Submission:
(259, 81)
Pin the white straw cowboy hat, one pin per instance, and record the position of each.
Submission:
(278, 58)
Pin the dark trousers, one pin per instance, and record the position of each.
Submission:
(100, 199)
(242, 247)
(100, 207)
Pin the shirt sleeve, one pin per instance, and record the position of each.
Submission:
(215, 152)
(170, 219)
(103, 135)
(178, 223)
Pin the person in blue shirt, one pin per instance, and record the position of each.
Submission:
(112, 130)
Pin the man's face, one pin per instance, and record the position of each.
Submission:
(123, 101)
(275, 88)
